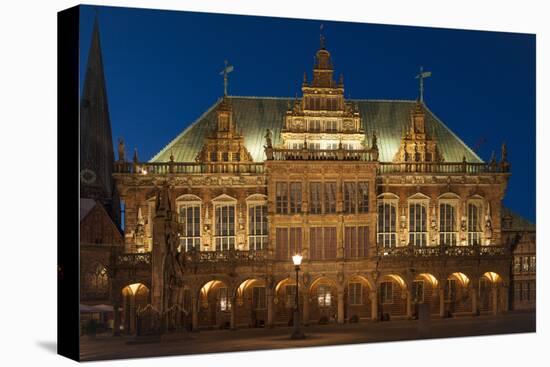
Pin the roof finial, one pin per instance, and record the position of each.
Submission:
(421, 76)
(321, 37)
(226, 70)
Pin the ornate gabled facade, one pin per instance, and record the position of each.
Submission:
(225, 144)
(417, 145)
(386, 220)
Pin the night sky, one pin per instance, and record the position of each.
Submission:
(162, 73)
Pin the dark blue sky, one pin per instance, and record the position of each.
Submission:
(162, 73)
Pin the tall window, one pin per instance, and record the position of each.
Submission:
(349, 197)
(315, 206)
(324, 295)
(258, 298)
(295, 197)
(355, 293)
(447, 225)
(288, 242)
(223, 299)
(356, 241)
(257, 226)
(281, 197)
(330, 197)
(418, 235)
(225, 226)
(418, 291)
(190, 219)
(386, 292)
(322, 243)
(96, 280)
(474, 224)
(362, 197)
(450, 290)
(387, 218)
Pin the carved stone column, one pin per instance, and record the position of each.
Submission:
(473, 296)
(195, 313)
(441, 302)
(233, 313)
(340, 306)
(505, 301)
(409, 304)
(305, 310)
(132, 323)
(494, 294)
(374, 305)
(270, 308)
(116, 324)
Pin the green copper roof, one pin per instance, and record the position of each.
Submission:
(253, 115)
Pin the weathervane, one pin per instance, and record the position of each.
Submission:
(226, 70)
(423, 74)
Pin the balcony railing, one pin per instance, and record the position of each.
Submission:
(280, 154)
(188, 168)
(236, 256)
(134, 259)
(434, 251)
(445, 167)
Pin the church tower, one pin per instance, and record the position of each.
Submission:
(96, 143)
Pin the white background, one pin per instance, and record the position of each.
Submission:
(28, 181)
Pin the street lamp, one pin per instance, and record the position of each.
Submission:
(297, 333)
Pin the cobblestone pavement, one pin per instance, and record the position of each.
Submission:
(215, 341)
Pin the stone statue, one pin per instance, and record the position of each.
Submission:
(268, 141)
(488, 224)
(121, 156)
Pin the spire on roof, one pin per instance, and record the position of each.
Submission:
(96, 143)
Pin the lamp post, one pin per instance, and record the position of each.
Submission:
(297, 333)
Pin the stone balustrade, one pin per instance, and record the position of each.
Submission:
(437, 251)
(188, 168)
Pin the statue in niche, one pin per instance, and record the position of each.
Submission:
(488, 224)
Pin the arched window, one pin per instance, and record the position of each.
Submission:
(257, 222)
(474, 223)
(96, 280)
(189, 215)
(447, 224)
(224, 226)
(387, 223)
(418, 232)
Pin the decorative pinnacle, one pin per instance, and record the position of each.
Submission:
(321, 37)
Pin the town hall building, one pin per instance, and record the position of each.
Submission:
(387, 206)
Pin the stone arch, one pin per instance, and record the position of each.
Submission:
(358, 299)
(427, 295)
(214, 303)
(457, 294)
(322, 296)
(491, 293)
(135, 297)
(251, 301)
(392, 295)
